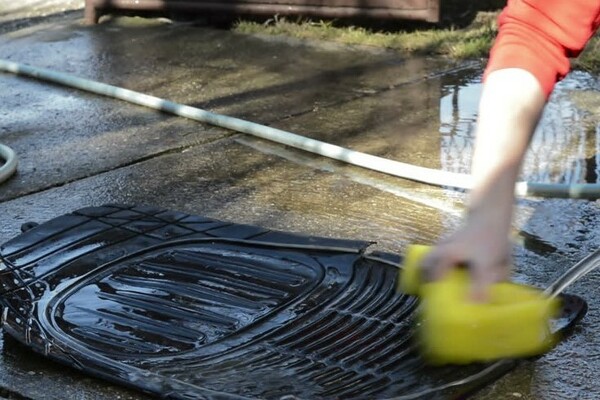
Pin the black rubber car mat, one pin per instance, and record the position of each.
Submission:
(187, 307)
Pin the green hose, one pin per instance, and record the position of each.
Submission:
(8, 168)
(380, 164)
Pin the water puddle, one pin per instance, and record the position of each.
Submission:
(566, 144)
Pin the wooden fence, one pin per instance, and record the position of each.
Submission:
(424, 10)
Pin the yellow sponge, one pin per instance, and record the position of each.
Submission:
(410, 275)
(515, 322)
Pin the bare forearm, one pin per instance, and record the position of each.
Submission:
(530, 54)
(511, 104)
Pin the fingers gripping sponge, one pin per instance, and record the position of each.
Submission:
(514, 322)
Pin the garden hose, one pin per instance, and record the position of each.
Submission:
(395, 168)
(8, 162)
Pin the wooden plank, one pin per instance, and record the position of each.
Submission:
(378, 9)
(396, 4)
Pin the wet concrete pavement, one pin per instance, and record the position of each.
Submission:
(78, 150)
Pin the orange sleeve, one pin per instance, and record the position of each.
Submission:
(541, 35)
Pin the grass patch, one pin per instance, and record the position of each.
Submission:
(470, 42)
(473, 41)
(589, 59)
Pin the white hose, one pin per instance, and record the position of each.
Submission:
(391, 167)
(10, 162)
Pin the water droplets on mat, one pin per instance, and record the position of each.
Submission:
(190, 307)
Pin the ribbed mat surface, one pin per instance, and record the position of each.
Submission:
(187, 307)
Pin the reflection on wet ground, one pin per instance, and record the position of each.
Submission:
(564, 149)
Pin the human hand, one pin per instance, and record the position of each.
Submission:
(480, 245)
